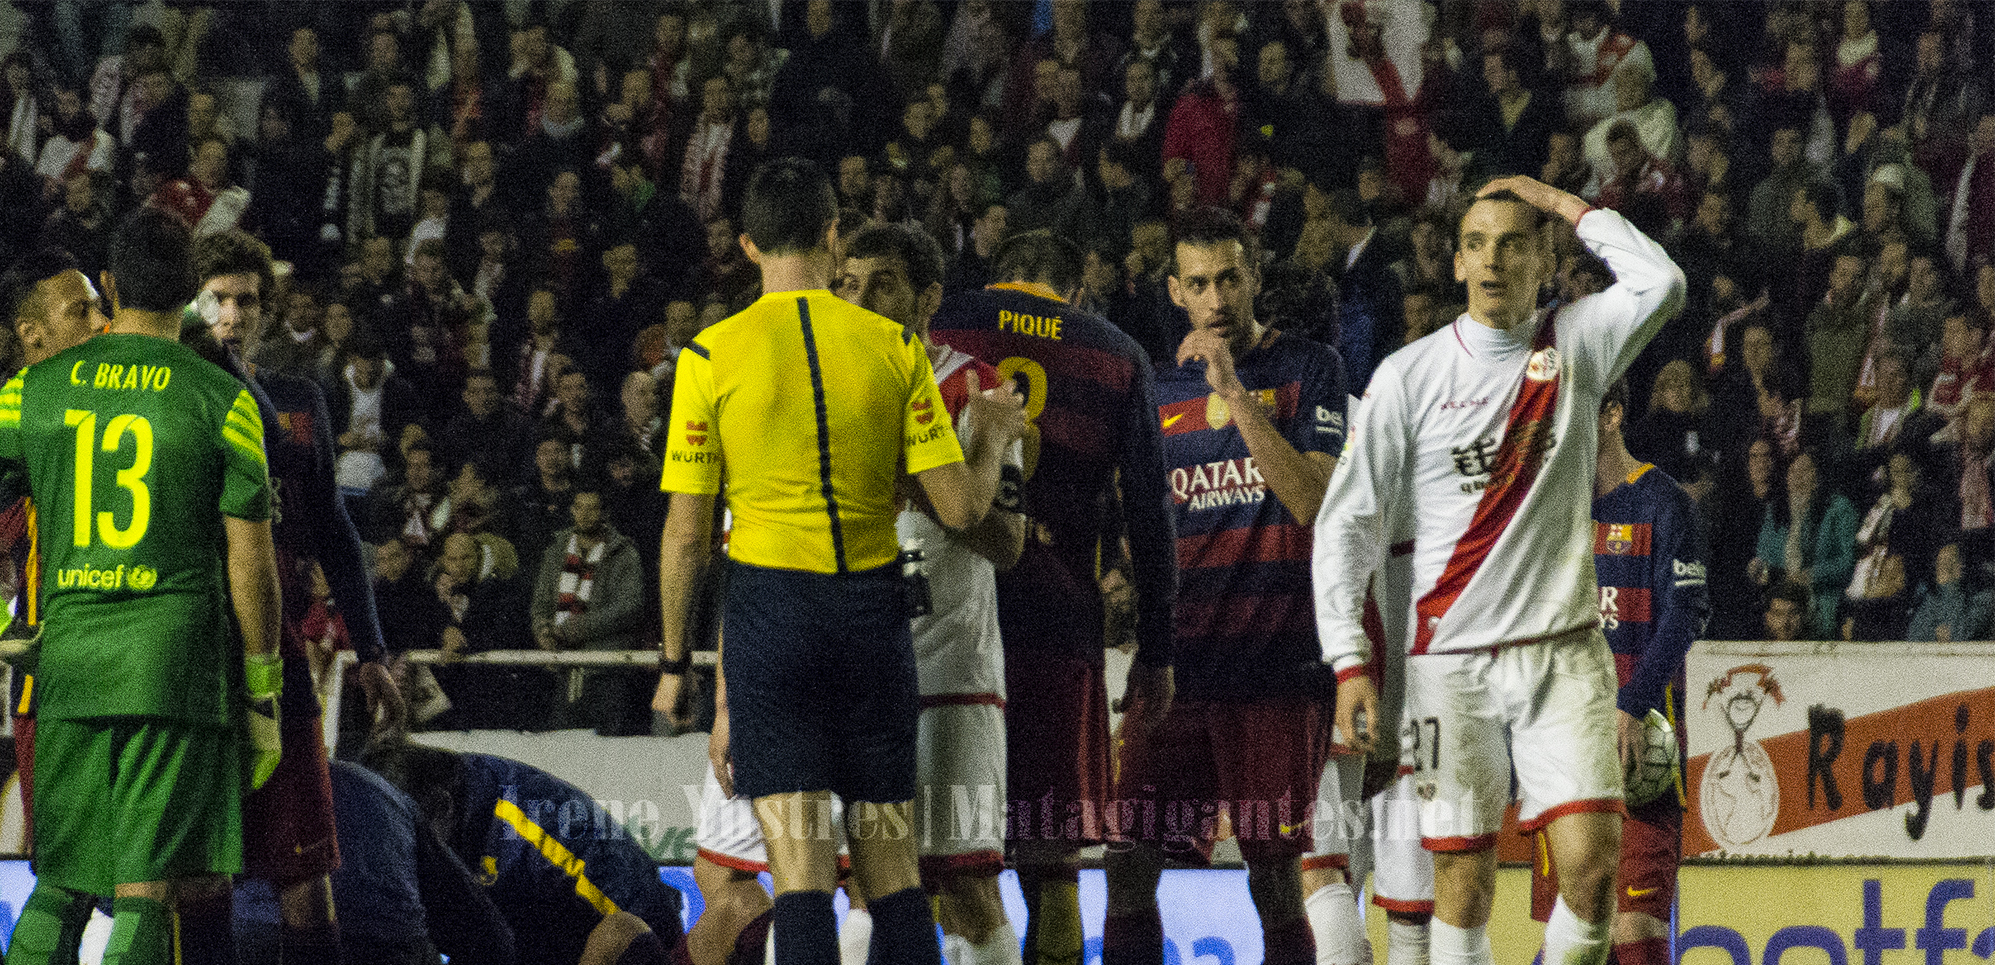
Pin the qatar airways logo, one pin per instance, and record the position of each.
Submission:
(1229, 482)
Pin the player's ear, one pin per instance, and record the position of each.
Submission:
(929, 301)
(1177, 290)
(748, 249)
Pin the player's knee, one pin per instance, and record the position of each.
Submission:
(1635, 926)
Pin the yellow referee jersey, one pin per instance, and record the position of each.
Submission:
(806, 406)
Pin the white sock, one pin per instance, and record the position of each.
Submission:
(1333, 919)
(855, 939)
(999, 949)
(1571, 941)
(1405, 944)
(1448, 945)
(769, 947)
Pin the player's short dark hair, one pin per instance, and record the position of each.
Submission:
(233, 252)
(1206, 227)
(919, 255)
(1617, 394)
(17, 286)
(789, 207)
(151, 259)
(1508, 197)
(1041, 256)
(430, 775)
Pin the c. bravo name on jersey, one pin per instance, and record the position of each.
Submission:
(1227, 482)
(110, 375)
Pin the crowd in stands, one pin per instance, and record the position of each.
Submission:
(503, 219)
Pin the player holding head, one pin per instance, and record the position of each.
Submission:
(1480, 437)
(1252, 419)
(822, 692)
(1090, 390)
(1649, 557)
(152, 461)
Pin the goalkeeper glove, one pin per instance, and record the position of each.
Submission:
(264, 673)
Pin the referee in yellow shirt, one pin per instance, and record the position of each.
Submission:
(806, 410)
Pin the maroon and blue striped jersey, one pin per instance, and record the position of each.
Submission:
(1090, 391)
(1648, 555)
(1246, 622)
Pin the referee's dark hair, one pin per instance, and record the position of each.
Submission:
(152, 262)
(789, 207)
(918, 253)
(235, 252)
(1041, 256)
(17, 286)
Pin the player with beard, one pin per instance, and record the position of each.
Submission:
(1252, 420)
(288, 832)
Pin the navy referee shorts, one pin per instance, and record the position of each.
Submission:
(821, 686)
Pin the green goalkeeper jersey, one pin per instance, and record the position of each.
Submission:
(135, 449)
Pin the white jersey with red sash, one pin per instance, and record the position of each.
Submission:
(1481, 442)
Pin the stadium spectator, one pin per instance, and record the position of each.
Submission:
(589, 595)
(485, 610)
(1967, 199)
(487, 430)
(1786, 615)
(541, 502)
(1948, 609)
(1370, 302)
(1809, 538)
(1895, 548)
(1597, 53)
(370, 407)
(1671, 435)
(1199, 137)
(1514, 123)
(1837, 335)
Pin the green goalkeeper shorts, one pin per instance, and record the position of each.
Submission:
(123, 800)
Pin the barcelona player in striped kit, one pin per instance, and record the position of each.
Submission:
(1649, 556)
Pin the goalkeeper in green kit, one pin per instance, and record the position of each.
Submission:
(146, 465)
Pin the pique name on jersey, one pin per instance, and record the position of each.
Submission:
(1042, 326)
(110, 375)
(1228, 482)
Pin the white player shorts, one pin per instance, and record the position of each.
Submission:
(1403, 871)
(1342, 839)
(959, 794)
(958, 806)
(1545, 709)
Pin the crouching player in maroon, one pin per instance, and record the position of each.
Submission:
(1252, 419)
(1649, 557)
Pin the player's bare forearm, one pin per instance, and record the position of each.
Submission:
(1298, 479)
(999, 537)
(684, 551)
(253, 589)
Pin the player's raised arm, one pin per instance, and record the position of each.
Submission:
(1614, 325)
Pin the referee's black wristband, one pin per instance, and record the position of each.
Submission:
(679, 666)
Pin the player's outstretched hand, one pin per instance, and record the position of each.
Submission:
(999, 410)
(1356, 695)
(1539, 195)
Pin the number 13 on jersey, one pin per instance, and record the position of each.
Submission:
(132, 478)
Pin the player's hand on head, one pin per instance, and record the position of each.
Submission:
(1354, 696)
